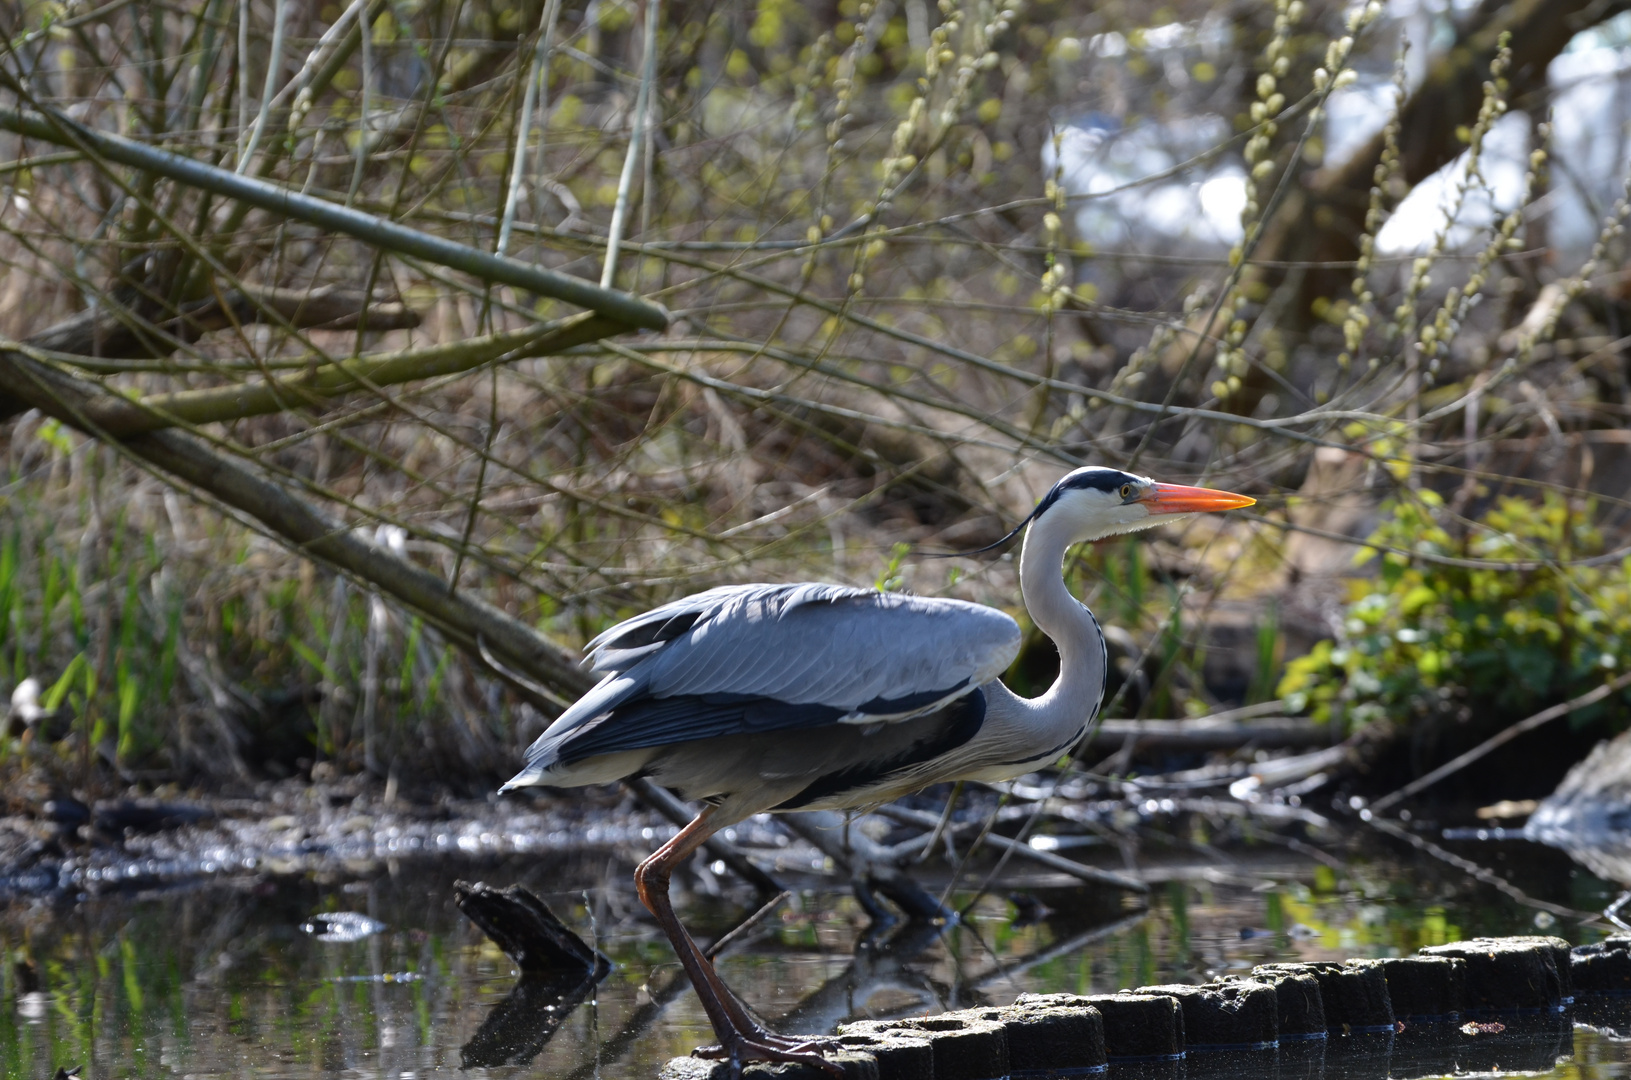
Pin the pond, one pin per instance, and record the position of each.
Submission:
(222, 979)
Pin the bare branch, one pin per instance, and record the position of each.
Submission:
(118, 417)
(108, 334)
(384, 234)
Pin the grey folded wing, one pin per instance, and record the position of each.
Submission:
(755, 658)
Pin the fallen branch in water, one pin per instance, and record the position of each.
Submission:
(1090, 874)
(558, 970)
(1467, 866)
(872, 868)
(743, 928)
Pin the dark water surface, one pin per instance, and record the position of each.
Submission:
(222, 980)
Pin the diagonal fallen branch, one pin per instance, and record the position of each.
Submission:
(477, 627)
(1456, 764)
(1472, 869)
(465, 620)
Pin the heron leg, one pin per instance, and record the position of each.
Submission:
(741, 1038)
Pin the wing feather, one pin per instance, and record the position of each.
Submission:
(768, 657)
(835, 646)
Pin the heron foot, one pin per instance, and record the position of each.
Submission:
(742, 1049)
(797, 1044)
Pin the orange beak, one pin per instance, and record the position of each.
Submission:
(1177, 499)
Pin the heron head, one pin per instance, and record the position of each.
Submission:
(1095, 502)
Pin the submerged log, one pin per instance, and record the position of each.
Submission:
(557, 973)
(528, 932)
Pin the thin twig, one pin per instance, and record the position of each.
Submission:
(1091, 874)
(1467, 866)
(740, 929)
(364, 126)
(945, 819)
(274, 61)
(537, 73)
(1506, 735)
(637, 133)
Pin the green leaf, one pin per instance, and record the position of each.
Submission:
(891, 579)
(306, 653)
(59, 689)
(1416, 599)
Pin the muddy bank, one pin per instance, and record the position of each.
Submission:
(65, 847)
(57, 845)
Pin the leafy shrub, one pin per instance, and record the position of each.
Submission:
(1425, 640)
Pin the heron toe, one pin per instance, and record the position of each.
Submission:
(744, 1050)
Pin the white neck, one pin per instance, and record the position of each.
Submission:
(1074, 698)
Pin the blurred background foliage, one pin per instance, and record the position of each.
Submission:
(1444, 628)
(921, 259)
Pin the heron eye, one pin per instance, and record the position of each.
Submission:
(1126, 491)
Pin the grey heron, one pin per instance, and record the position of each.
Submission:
(754, 698)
